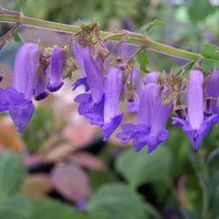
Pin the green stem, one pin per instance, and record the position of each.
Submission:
(7, 16)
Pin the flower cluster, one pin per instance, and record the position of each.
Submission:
(34, 77)
(107, 82)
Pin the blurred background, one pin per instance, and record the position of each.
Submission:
(60, 167)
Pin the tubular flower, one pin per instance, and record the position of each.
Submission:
(91, 102)
(55, 69)
(25, 68)
(152, 118)
(159, 116)
(112, 115)
(40, 90)
(94, 77)
(149, 78)
(17, 98)
(91, 73)
(196, 124)
(79, 53)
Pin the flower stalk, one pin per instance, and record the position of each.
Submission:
(8, 16)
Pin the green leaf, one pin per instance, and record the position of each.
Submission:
(142, 58)
(99, 178)
(49, 209)
(17, 207)
(198, 6)
(211, 57)
(210, 51)
(39, 129)
(12, 174)
(138, 168)
(147, 28)
(117, 202)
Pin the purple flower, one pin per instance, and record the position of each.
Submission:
(139, 84)
(20, 109)
(17, 98)
(159, 116)
(93, 112)
(79, 82)
(25, 68)
(104, 112)
(55, 69)
(196, 125)
(79, 53)
(152, 77)
(91, 103)
(212, 92)
(113, 89)
(152, 118)
(92, 76)
(40, 89)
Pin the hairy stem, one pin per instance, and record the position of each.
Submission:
(7, 16)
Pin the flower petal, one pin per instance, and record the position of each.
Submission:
(55, 69)
(113, 89)
(21, 109)
(196, 99)
(195, 125)
(95, 78)
(25, 68)
(22, 114)
(109, 128)
(79, 53)
(79, 82)
(152, 77)
(40, 90)
(93, 112)
(127, 132)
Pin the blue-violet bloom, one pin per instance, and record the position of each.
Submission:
(92, 77)
(196, 124)
(151, 77)
(113, 89)
(91, 102)
(55, 69)
(17, 98)
(40, 88)
(93, 112)
(152, 118)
